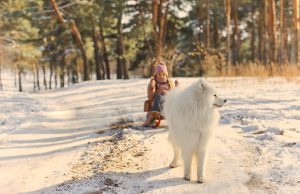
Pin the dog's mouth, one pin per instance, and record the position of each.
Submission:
(217, 105)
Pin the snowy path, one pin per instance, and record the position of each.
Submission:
(224, 170)
(38, 138)
(42, 134)
(44, 141)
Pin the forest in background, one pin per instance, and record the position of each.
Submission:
(62, 42)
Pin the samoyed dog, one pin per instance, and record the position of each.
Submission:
(192, 116)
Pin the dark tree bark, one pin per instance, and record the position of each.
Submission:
(119, 49)
(207, 24)
(73, 71)
(295, 29)
(162, 27)
(253, 5)
(34, 76)
(55, 76)
(200, 19)
(44, 75)
(155, 4)
(62, 73)
(51, 73)
(266, 36)
(122, 71)
(272, 31)
(62, 77)
(37, 76)
(86, 68)
(282, 56)
(216, 31)
(104, 51)
(227, 14)
(98, 63)
(20, 78)
(236, 35)
(260, 37)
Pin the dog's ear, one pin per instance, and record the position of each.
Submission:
(200, 87)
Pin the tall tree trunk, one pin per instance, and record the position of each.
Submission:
(163, 26)
(261, 23)
(98, 63)
(44, 74)
(125, 69)
(207, 24)
(227, 12)
(272, 31)
(86, 68)
(35, 73)
(200, 17)
(78, 38)
(104, 51)
(37, 76)
(236, 34)
(253, 5)
(120, 48)
(74, 71)
(69, 76)
(62, 70)
(155, 4)
(282, 57)
(20, 78)
(51, 74)
(55, 76)
(285, 38)
(122, 71)
(295, 31)
(34, 76)
(266, 34)
(216, 31)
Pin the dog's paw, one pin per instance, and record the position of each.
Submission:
(187, 178)
(173, 165)
(201, 180)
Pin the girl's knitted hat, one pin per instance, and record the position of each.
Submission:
(161, 68)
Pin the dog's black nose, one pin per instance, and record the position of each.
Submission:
(225, 100)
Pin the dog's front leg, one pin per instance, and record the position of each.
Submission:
(187, 159)
(202, 154)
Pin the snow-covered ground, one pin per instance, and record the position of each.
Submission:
(79, 140)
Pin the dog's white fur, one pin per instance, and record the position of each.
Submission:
(192, 116)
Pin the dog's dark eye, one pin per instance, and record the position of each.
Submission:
(215, 95)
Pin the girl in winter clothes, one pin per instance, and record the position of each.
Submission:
(158, 86)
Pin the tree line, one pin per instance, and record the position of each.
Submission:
(79, 40)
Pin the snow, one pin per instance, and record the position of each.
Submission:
(79, 140)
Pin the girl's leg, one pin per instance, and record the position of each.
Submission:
(151, 116)
(155, 109)
(148, 119)
(157, 103)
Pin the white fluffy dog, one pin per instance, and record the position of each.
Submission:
(192, 116)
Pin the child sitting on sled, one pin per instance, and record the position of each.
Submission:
(158, 86)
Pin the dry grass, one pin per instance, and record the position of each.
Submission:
(260, 70)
